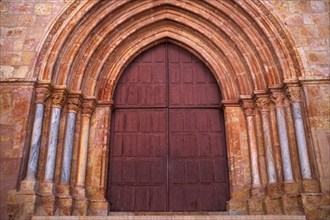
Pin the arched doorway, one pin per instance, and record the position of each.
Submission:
(168, 144)
(80, 64)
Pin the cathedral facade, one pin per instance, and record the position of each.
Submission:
(165, 106)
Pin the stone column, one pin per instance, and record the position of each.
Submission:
(273, 198)
(291, 188)
(253, 144)
(46, 187)
(80, 200)
(26, 196)
(278, 98)
(41, 96)
(294, 94)
(255, 203)
(309, 184)
(263, 105)
(58, 100)
(63, 189)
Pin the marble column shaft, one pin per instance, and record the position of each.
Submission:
(41, 95)
(300, 133)
(35, 142)
(57, 102)
(87, 109)
(278, 99)
(68, 146)
(263, 105)
(72, 106)
(253, 144)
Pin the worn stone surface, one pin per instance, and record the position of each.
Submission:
(318, 110)
(249, 54)
(316, 205)
(256, 206)
(273, 206)
(14, 119)
(238, 152)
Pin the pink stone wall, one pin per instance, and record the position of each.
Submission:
(308, 23)
(15, 103)
(318, 110)
(23, 26)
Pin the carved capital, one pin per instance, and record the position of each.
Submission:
(87, 108)
(248, 107)
(278, 98)
(42, 95)
(58, 99)
(294, 94)
(73, 104)
(263, 104)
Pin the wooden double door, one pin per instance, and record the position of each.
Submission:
(168, 149)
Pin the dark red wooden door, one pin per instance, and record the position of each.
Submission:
(168, 144)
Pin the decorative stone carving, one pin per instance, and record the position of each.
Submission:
(58, 99)
(73, 104)
(87, 108)
(278, 98)
(294, 94)
(42, 94)
(248, 107)
(263, 104)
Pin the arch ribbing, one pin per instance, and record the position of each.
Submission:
(90, 44)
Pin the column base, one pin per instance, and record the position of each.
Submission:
(274, 190)
(316, 205)
(80, 202)
(28, 187)
(273, 206)
(237, 206)
(45, 199)
(291, 199)
(98, 205)
(310, 186)
(21, 205)
(292, 205)
(292, 188)
(257, 192)
(98, 208)
(64, 200)
(256, 206)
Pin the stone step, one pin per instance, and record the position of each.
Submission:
(174, 216)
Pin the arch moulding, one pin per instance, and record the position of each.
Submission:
(252, 58)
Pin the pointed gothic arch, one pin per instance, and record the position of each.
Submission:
(250, 55)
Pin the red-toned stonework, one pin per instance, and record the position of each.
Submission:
(253, 56)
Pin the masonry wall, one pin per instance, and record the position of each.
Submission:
(24, 24)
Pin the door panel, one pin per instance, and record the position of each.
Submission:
(138, 161)
(167, 143)
(196, 167)
(191, 84)
(144, 82)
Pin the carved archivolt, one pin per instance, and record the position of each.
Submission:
(104, 50)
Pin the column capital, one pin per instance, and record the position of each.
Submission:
(294, 94)
(278, 98)
(248, 107)
(42, 94)
(59, 97)
(263, 104)
(73, 104)
(87, 107)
